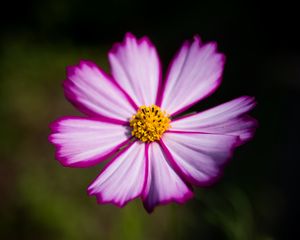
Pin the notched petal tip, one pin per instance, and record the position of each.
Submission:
(251, 99)
(246, 102)
(71, 69)
(130, 37)
(197, 38)
(186, 197)
(212, 45)
(100, 200)
(118, 45)
(53, 126)
(89, 63)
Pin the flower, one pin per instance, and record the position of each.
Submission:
(133, 119)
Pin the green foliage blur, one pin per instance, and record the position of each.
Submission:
(40, 199)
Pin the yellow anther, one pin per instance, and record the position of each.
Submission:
(149, 123)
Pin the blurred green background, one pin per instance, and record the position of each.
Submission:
(257, 198)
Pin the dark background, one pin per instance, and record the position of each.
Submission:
(258, 196)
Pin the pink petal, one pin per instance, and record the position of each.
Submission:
(194, 73)
(163, 184)
(82, 142)
(228, 118)
(95, 94)
(198, 157)
(136, 68)
(123, 178)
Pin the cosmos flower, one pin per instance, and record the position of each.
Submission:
(134, 118)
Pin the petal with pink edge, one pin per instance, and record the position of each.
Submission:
(83, 142)
(163, 184)
(199, 157)
(194, 73)
(136, 68)
(123, 178)
(228, 118)
(95, 93)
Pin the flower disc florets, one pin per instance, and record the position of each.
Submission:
(149, 123)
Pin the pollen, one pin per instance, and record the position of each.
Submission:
(149, 123)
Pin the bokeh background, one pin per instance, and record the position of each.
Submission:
(257, 198)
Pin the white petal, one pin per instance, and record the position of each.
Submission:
(95, 93)
(199, 157)
(228, 118)
(123, 178)
(82, 142)
(194, 73)
(136, 68)
(163, 185)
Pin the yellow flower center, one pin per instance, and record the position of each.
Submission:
(149, 123)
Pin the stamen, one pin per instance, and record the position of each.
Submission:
(149, 123)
